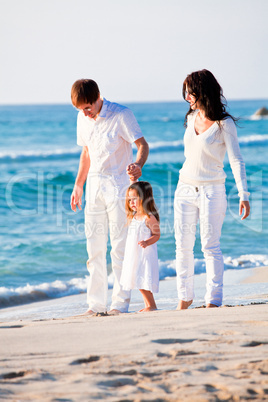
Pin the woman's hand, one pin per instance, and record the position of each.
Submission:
(244, 205)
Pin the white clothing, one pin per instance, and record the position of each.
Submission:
(207, 203)
(100, 217)
(140, 267)
(205, 153)
(109, 140)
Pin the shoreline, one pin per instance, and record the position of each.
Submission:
(245, 282)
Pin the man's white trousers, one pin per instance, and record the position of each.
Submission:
(103, 216)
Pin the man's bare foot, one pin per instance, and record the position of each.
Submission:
(146, 309)
(210, 305)
(183, 305)
(114, 312)
(88, 312)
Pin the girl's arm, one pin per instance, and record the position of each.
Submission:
(153, 225)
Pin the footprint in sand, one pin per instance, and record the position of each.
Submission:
(171, 341)
(88, 359)
(120, 382)
(127, 372)
(177, 353)
(13, 374)
(252, 344)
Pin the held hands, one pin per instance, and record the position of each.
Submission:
(244, 205)
(143, 243)
(76, 197)
(134, 172)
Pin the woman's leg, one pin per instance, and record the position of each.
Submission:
(212, 213)
(185, 220)
(149, 301)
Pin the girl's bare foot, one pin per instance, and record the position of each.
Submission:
(149, 301)
(183, 305)
(210, 305)
(146, 309)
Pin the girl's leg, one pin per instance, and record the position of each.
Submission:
(149, 301)
(212, 213)
(185, 220)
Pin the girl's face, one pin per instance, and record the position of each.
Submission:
(134, 201)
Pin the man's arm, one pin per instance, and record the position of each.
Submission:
(134, 169)
(76, 197)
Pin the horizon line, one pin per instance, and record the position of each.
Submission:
(124, 102)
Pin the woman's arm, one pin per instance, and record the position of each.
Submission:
(237, 165)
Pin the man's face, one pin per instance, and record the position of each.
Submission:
(91, 110)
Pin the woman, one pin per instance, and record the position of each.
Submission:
(200, 192)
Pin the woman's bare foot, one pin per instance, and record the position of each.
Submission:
(183, 305)
(146, 309)
(210, 305)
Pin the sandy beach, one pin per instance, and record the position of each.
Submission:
(167, 355)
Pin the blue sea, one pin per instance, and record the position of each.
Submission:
(42, 241)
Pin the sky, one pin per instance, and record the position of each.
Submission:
(136, 50)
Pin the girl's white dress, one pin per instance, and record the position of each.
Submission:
(140, 266)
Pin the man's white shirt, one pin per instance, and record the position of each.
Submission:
(109, 139)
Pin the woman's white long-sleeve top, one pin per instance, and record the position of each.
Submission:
(205, 154)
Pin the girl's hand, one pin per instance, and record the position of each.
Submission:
(143, 243)
(244, 205)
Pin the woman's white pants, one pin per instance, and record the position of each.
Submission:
(208, 205)
(101, 217)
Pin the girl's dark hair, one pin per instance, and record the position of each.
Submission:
(206, 89)
(145, 193)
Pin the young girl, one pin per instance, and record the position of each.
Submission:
(140, 267)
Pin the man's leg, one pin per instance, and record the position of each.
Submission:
(118, 234)
(96, 229)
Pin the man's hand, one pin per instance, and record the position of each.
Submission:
(76, 197)
(134, 171)
(244, 205)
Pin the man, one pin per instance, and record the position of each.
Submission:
(106, 131)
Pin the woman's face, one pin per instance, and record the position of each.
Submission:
(191, 99)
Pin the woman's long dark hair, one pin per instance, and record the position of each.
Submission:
(145, 193)
(206, 89)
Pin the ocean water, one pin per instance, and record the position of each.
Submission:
(43, 248)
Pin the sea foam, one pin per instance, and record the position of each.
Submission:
(33, 293)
